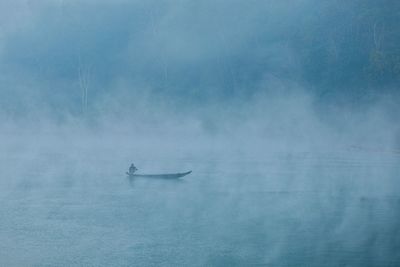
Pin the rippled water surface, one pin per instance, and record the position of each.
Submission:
(303, 209)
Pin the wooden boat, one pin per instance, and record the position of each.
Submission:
(158, 176)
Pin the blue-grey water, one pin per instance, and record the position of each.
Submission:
(278, 209)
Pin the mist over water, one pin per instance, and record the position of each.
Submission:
(287, 116)
(276, 209)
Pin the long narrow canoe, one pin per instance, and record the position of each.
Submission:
(159, 176)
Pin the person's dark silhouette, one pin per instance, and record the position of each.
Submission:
(132, 168)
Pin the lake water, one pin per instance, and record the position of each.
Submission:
(284, 209)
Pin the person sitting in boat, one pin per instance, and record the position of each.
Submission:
(132, 169)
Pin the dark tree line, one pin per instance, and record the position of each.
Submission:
(353, 46)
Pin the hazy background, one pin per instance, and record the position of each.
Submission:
(265, 67)
(286, 111)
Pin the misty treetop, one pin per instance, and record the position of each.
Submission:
(71, 56)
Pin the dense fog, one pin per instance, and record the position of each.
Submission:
(285, 111)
